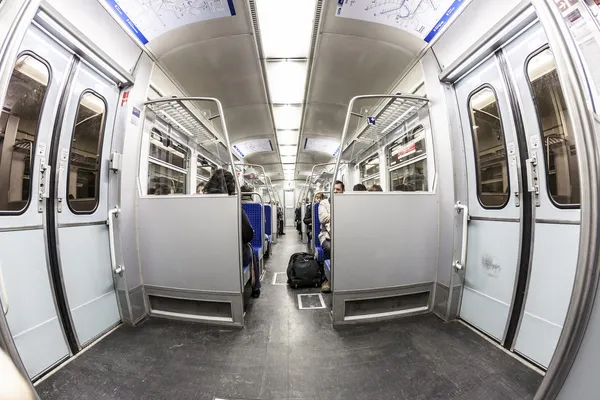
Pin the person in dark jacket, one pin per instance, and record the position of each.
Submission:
(220, 182)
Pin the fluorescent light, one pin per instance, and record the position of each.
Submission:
(404, 114)
(288, 137)
(288, 150)
(287, 81)
(285, 27)
(287, 167)
(287, 117)
(288, 159)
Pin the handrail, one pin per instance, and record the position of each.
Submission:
(460, 208)
(112, 214)
(221, 116)
(347, 123)
(3, 295)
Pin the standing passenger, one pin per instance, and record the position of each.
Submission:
(222, 181)
(325, 235)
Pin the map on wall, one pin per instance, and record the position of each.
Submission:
(423, 18)
(148, 19)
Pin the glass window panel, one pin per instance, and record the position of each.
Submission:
(164, 181)
(19, 119)
(490, 150)
(410, 178)
(163, 148)
(204, 168)
(84, 161)
(560, 154)
(369, 167)
(411, 146)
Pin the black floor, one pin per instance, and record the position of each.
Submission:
(287, 353)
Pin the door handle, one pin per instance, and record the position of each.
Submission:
(515, 181)
(3, 295)
(112, 214)
(464, 210)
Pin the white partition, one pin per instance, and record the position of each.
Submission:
(385, 246)
(189, 250)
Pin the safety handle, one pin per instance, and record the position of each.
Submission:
(464, 210)
(112, 214)
(3, 295)
(514, 183)
(532, 185)
(45, 189)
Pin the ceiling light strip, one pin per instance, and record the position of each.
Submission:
(263, 67)
(314, 44)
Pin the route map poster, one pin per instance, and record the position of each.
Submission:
(423, 18)
(148, 19)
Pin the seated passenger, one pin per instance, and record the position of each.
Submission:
(325, 235)
(375, 188)
(200, 188)
(14, 386)
(308, 216)
(222, 181)
(359, 187)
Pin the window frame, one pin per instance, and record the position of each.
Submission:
(540, 128)
(475, 155)
(100, 154)
(365, 162)
(34, 158)
(213, 165)
(156, 161)
(423, 157)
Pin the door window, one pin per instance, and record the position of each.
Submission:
(19, 118)
(558, 143)
(84, 161)
(490, 149)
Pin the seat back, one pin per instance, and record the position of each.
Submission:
(268, 219)
(255, 215)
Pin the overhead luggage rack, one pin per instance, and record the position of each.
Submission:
(388, 117)
(175, 112)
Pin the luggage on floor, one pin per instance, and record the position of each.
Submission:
(303, 271)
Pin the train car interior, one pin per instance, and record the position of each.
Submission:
(299, 199)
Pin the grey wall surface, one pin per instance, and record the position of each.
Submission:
(190, 242)
(383, 240)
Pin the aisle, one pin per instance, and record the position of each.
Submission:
(287, 353)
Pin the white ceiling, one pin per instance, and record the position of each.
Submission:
(220, 58)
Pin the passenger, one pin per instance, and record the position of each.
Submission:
(200, 188)
(359, 187)
(325, 235)
(223, 182)
(13, 386)
(375, 188)
(308, 216)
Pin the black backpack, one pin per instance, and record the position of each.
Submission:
(304, 271)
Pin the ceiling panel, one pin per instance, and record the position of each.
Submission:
(248, 121)
(226, 68)
(204, 30)
(262, 159)
(325, 119)
(348, 66)
(369, 30)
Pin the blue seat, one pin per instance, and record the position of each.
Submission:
(254, 212)
(317, 228)
(327, 269)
